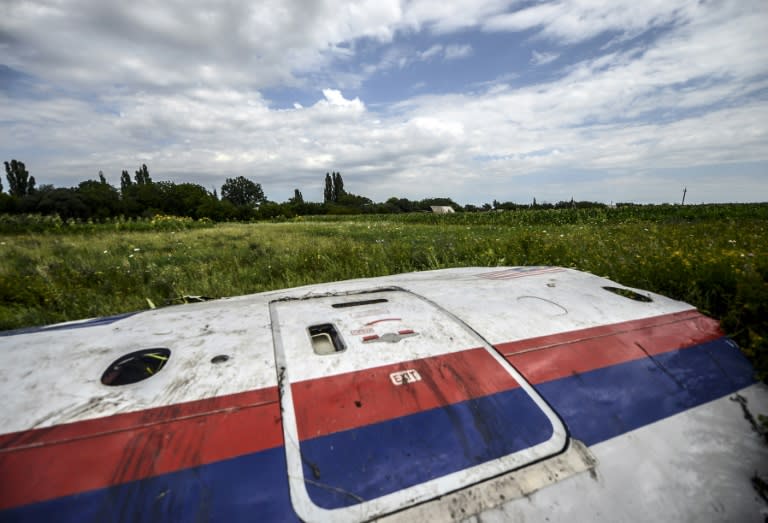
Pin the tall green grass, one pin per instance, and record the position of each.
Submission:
(715, 257)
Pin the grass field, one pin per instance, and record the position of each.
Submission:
(715, 257)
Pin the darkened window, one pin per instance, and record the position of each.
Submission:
(632, 295)
(341, 305)
(136, 366)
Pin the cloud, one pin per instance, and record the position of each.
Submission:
(336, 100)
(443, 17)
(453, 52)
(143, 45)
(448, 52)
(180, 87)
(172, 44)
(570, 21)
(400, 57)
(538, 58)
(433, 51)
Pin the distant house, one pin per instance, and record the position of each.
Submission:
(442, 209)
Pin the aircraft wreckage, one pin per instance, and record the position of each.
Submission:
(519, 393)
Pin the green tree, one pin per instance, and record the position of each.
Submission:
(141, 197)
(328, 192)
(66, 202)
(101, 199)
(397, 205)
(297, 197)
(125, 182)
(242, 192)
(148, 198)
(334, 188)
(7, 203)
(338, 187)
(20, 183)
(186, 199)
(142, 176)
(354, 200)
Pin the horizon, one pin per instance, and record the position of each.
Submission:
(533, 203)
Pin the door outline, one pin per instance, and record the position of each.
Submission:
(307, 510)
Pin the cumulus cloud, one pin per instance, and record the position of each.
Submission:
(172, 44)
(335, 100)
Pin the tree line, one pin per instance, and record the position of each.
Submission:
(241, 199)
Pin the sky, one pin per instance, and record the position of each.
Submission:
(476, 100)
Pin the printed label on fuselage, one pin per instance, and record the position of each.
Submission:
(406, 376)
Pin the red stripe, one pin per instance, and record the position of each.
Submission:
(551, 357)
(374, 322)
(327, 405)
(346, 401)
(42, 464)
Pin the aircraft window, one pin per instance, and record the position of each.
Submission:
(325, 339)
(358, 303)
(632, 295)
(136, 366)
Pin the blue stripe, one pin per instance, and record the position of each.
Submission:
(378, 459)
(253, 487)
(366, 463)
(95, 322)
(605, 403)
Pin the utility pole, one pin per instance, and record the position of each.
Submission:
(685, 190)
